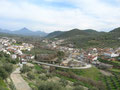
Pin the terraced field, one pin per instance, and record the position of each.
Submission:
(112, 82)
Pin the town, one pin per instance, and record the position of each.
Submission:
(67, 57)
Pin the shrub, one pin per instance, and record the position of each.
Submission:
(63, 82)
(39, 72)
(77, 83)
(78, 88)
(25, 69)
(8, 67)
(3, 73)
(49, 75)
(50, 86)
(43, 78)
(93, 88)
(30, 76)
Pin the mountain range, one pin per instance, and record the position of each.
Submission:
(79, 38)
(24, 31)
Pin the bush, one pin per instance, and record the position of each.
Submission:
(49, 75)
(43, 78)
(30, 76)
(63, 82)
(25, 69)
(93, 88)
(8, 67)
(15, 61)
(11, 85)
(78, 88)
(39, 72)
(77, 83)
(3, 73)
(50, 86)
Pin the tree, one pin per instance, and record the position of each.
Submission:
(8, 67)
(60, 55)
(77, 83)
(25, 69)
(50, 86)
(63, 82)
(30, 76)
(3, 73)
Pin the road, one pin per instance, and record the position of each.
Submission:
(47, 64)
(18, 81)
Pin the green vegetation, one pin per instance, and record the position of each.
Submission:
(115, 70)
(112, 82)
(78, 88)
(50, 86)
(72, 33)
(3, 85)
(54, 34)
(92, 73)
(38, 79)
(116, 64)
(91, 38)
(6, 67)
(25, 69)
(60, 55)
(87, 77)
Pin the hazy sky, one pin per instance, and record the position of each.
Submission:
(51, 15)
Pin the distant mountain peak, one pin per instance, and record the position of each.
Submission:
(25, 29)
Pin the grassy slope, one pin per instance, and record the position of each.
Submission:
(92, 73)
(3, 86)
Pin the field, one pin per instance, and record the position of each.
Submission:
(112, 82)
(92, 73)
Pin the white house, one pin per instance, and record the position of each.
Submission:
(111, 54)
(19, 52)
(14, 56)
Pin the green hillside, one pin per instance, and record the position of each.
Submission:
(72, 33)
(91, 38)
(54, 34)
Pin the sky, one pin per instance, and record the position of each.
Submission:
(54, 15)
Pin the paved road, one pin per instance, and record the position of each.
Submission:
(85, 67)
(19, 82)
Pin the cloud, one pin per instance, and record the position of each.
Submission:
(87, 14)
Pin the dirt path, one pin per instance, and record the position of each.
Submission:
(18, 81)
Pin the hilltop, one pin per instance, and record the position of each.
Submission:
(73, 33)
(54, 34)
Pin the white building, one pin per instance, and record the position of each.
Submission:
(111, 54)
(14, 56)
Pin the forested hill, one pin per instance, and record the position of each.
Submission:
(54, 34)
(73, 33)
(116, 30)
(91, 38)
